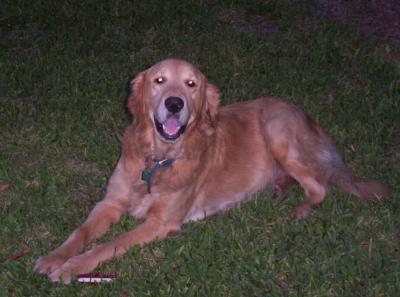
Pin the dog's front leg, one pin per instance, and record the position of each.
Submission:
(99, 220)
(153, 228)
(107, 212)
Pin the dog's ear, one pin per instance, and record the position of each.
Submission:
(209, 110)
(135, 102)
(212, 103)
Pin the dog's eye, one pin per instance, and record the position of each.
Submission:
(191, 83)
(159, 80)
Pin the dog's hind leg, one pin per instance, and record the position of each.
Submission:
(315, 189)
(281, 184)
(305, 169)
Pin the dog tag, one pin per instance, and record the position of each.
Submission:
(146, 175)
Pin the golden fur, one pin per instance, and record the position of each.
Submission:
(220, 156)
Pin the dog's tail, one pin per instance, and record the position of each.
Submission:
(366, 190)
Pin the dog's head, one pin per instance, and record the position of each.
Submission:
(173, 97)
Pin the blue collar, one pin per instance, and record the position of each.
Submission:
(147, 173)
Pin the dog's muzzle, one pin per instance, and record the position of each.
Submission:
(171, 128)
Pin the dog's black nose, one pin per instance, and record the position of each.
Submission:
(174, 104)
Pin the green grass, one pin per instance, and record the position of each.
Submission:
(64, 68)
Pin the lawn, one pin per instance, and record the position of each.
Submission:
(64, 69)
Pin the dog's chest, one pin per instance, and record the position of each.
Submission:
(139, 207)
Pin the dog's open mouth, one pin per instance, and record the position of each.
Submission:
(171, 129)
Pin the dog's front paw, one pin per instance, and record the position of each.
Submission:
(65, 272)
(301, 211)
(73, 267)
(49, 263)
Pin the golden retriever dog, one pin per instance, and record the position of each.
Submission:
(184, 158)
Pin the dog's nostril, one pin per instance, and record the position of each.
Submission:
(174, 104)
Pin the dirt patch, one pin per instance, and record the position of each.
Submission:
(379, 19)
(242, 22)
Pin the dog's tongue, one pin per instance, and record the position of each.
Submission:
(171, 126)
